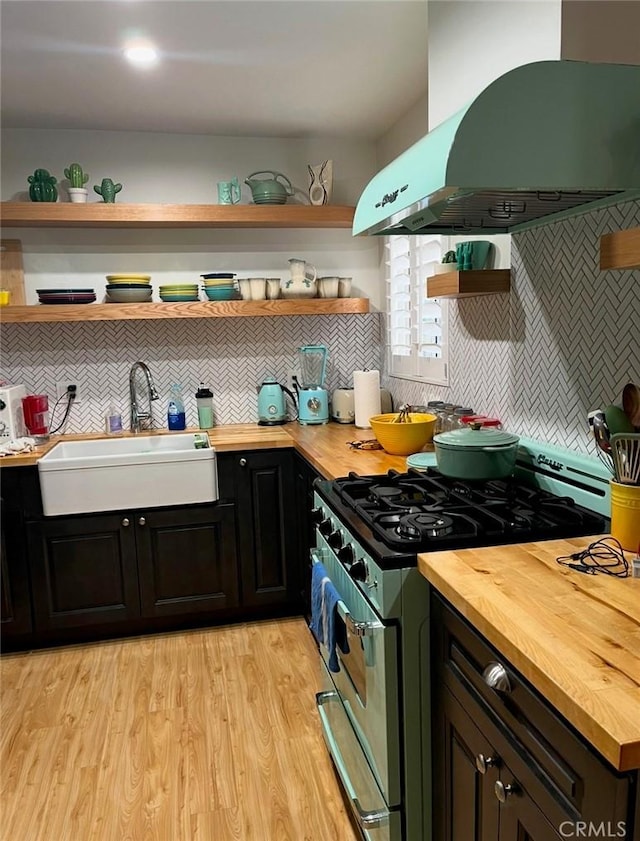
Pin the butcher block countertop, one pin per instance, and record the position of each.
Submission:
(575, 637)
(325, 446)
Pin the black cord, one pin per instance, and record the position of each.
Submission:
(605, 555)
(70, 398)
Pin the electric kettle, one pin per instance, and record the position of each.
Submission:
(272, 410)
(269, 190)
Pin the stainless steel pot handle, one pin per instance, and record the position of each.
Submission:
(367, 820)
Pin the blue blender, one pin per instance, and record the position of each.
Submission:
(313, 397)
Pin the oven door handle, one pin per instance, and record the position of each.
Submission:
(358, 629)
(367, 820)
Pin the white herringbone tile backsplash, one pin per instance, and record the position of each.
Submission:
(565, 341)
(232, 355)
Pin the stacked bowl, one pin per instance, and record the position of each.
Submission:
(179, 292)
(128, 288)
(66, 296)
(220, 286)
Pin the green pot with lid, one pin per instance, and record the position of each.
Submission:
(476, 453)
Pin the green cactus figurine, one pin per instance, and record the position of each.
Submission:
(42, 186)
(107, 190)
(75, 176)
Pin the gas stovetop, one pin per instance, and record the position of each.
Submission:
(421, 511)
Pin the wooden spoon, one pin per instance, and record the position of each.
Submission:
(631, 402)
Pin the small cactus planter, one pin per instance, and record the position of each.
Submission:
(75, 176)
(107, 190)
(42, 186)
(448, 264)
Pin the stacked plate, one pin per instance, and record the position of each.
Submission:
(128, 288)
(179, 292)
(220, 286)
(66, 296)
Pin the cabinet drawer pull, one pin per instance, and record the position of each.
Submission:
(125, 522)
(142, 521)
(496, 677)
(483, 763)
(243, 462)
(502, 790)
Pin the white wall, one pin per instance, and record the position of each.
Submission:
(405, 132)
(184, 169)
(473, 42)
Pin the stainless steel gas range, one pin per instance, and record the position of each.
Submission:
(375, 707)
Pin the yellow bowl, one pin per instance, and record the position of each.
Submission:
(403, 439)
(128, 278)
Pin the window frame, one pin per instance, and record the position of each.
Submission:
(408, 261)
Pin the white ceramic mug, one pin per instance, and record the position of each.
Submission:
(328, 287)
(258, 288)
(344, 287)
(245, 288)
(273, 288)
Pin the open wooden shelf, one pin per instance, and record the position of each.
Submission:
(620, 250)
(197, 309)
(122, 215)
(469, 284)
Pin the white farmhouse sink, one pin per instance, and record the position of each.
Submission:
(144, 471)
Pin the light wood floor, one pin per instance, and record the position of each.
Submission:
(208, 735)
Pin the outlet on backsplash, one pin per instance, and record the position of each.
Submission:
(64, 386)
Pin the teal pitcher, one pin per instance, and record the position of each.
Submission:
(269, 190)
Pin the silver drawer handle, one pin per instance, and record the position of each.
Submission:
(125, 522)
(496, 677)
(142, 521)
(502, 791)
(243, 462)
(483, 763)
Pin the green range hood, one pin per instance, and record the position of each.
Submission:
(547, 138)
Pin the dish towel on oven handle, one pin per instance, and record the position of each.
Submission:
(326, 624)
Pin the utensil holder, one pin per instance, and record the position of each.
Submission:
(625, 515)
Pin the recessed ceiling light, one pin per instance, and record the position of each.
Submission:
(141, 53)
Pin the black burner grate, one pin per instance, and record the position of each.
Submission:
(423, 510)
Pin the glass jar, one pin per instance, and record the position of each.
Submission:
(445, 417)
(458, 414)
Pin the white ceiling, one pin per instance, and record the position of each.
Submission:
(288, 68)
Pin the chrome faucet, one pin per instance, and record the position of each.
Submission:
(136, 415)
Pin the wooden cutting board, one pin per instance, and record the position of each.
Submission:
(11, 271)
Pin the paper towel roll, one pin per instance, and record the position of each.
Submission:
(366, 396)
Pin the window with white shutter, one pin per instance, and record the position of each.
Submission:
(417, 326)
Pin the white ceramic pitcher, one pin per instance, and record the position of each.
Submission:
(302, 283)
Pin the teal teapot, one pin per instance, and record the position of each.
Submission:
(269, 190)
